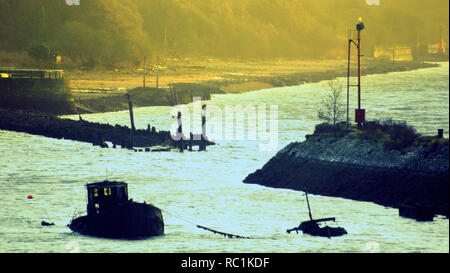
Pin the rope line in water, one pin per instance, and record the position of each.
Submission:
(227, 235)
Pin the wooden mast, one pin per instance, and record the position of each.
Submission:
(309, 208)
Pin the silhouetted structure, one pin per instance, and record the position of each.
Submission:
(130, 106)
(203, 137)
(35, 90)
(110, 214)
(312, 227)
(180, 132)
(360, 114)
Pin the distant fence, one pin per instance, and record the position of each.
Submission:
(394, 53)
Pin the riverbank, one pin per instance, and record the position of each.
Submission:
(356, 168)
(178, 93)
(104, 91)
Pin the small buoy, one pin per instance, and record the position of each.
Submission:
(30, 196)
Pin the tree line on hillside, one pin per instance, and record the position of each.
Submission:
(111, 31)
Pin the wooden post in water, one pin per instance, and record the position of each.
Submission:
(191, 137)
(180, 133)
(202, 146)
(130, 105)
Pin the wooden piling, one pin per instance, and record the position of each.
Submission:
(191, 137)
(202, 146)
(180, 133)
(130, 106)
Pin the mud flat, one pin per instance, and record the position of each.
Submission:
(92, 94)
(96, 92)
(179, 93)
(244, 83)
(365, 170)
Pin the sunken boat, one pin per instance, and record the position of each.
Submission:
(313, 228)
(110, 214)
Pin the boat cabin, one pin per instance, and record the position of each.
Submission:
(104, 195)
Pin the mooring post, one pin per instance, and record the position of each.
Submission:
(130, 105)
(180, 133)
(104, 144)
(191, 136)
(202, 146)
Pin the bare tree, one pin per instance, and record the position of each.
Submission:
(331, 109)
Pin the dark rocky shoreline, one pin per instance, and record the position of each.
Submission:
(362, 171)
(80, 130)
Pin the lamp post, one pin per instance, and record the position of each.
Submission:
(359, 113)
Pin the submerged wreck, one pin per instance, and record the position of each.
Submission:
(313, 228)
(110, 214)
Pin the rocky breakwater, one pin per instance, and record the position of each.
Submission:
(364, 165)
(81, 130)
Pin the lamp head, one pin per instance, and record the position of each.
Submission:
(360, 25)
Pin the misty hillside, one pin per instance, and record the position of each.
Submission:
(110, 31)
